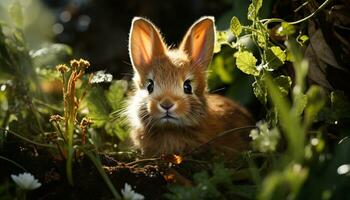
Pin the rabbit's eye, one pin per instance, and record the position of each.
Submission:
(187, 87)
(150, 86)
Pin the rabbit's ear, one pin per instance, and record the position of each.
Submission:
(145, 44)
(198, 42)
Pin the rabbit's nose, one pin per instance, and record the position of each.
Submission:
(166, 105)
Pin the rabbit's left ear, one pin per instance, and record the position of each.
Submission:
(199, 41)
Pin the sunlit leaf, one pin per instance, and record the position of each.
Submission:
(275, 57)
(98, 106)
(302, 39)
(261, 38)
(251, 12)
(221, 38)
(285, 29)
(257, 4)
(115, 94)
(246, 62)
(253, 9)
(235, 27)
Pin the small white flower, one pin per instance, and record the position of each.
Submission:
(264, 139)
(26, 181)
(129, 194)
(101, 76)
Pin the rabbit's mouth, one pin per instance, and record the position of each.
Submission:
(167, 118)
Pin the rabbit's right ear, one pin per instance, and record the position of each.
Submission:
(145, 44)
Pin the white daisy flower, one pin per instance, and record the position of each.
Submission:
(26, 181)
(129, 194)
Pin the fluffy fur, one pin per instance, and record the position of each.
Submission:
(193, 118)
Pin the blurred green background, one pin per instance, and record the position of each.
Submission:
(98, 31)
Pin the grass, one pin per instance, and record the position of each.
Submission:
(297, 146)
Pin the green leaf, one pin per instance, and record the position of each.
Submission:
(116, 93)
(285, 29)
(235, 27)
(251, 12)
(283, 83)
(115, 97)
(302, 39)
(261, 38)
(221, 38)
(253, 9)
(246, 62)
(260, 91)
(257, 4)
(98, 106)
(275, 57)
(117, 128)
(16, 13)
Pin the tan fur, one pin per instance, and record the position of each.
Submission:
(198, 117)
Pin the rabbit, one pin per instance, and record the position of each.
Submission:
(170, 110)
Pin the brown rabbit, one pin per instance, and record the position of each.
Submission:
(171, 111)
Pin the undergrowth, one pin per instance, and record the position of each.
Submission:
(299, 146)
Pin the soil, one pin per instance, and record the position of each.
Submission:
(88, 183)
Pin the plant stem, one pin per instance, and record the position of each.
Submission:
(96, 161)
(69, 117)
(38, 101)
(13, 162)
(143, 160)
(69, 167)
(27, 140)
(324, 4)
(312, 14)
